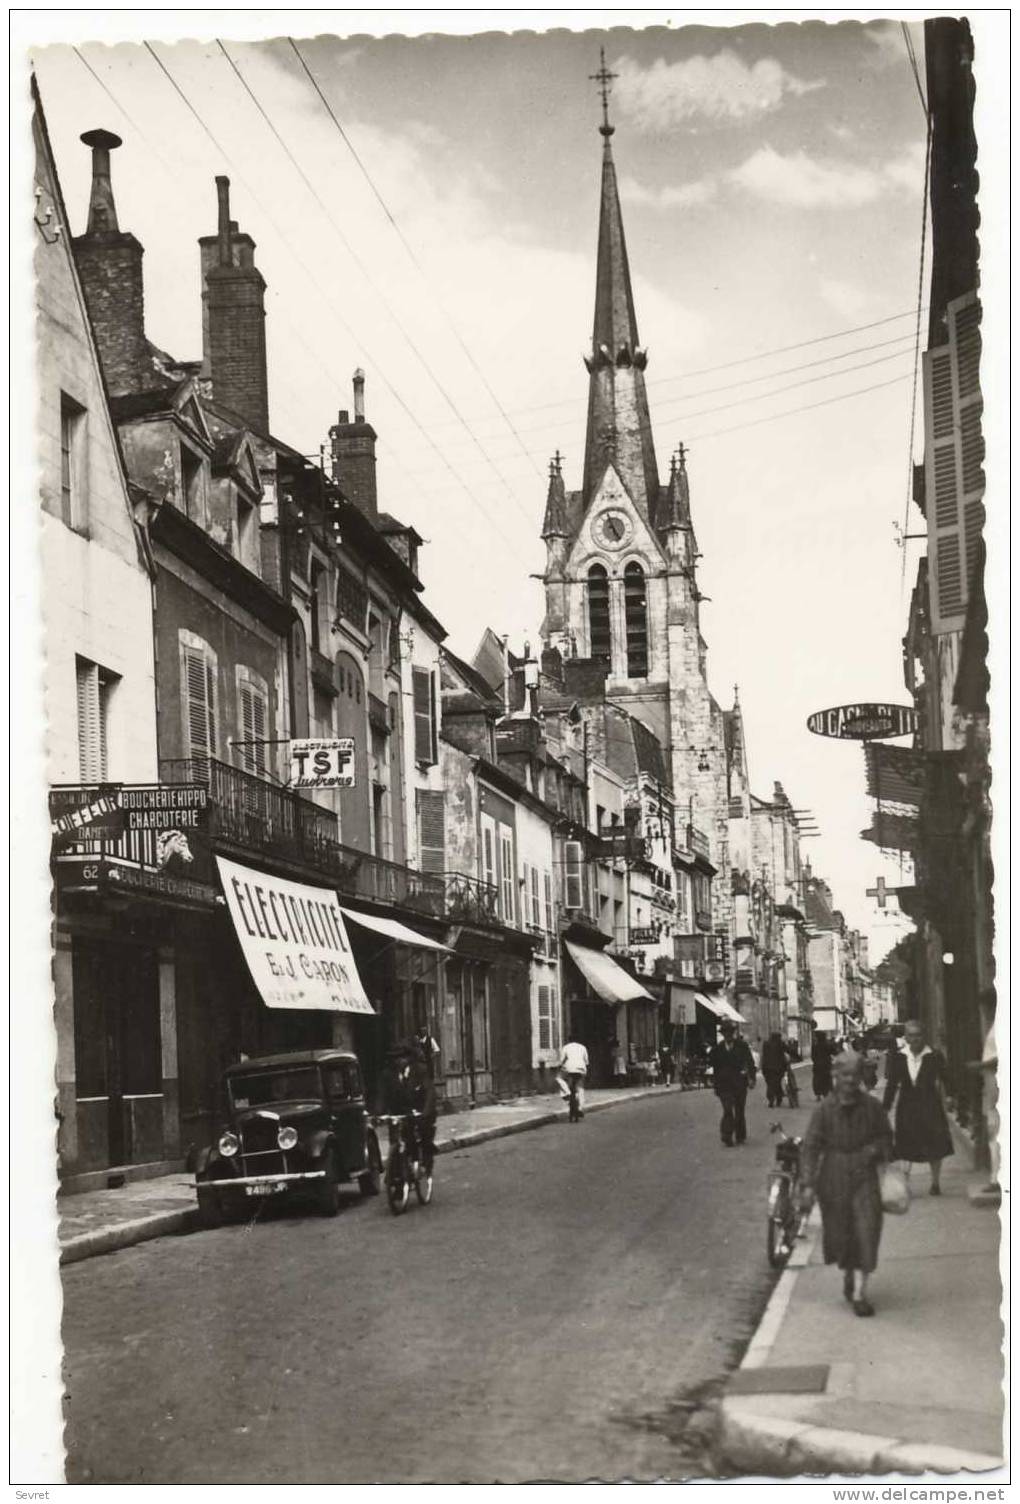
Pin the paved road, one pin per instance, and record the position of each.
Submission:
(557, 1313)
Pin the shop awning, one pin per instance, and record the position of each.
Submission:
(720, 1007)
(294, 940)
(608, 978)
(394, 929)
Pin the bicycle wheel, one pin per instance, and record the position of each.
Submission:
(777, 1241)
(397, 1189)
(423, 1185)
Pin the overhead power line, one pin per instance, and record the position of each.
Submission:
(807, 407)
(469, 492)
(359, 263)
(413, 257)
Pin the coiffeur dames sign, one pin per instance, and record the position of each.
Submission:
(294, 940)
(861, 723)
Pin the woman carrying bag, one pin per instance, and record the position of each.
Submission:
(914, 1082)
(847, 1144)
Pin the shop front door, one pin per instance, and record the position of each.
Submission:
(118, 1054)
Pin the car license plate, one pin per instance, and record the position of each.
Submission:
(264, 1188)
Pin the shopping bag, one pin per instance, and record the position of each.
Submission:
(895, 1191)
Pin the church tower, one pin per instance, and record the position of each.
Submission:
(621, 554)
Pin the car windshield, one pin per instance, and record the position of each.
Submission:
(263, 1088)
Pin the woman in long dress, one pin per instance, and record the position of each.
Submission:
(847, 1142)
(915, 1081)
(821, 1065)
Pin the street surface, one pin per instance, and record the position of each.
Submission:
(561, 1311)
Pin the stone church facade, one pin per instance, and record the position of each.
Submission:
(621, 587)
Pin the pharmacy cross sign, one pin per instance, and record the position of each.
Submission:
(879, 892)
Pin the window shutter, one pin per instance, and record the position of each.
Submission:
(424, 740)
(954, 473)
(91, 741)
(544, 1020)
(199, 691)
(488, 855)
(506, 857)
(431, 810)
(536, 905)
(573, 857)
(548, 903)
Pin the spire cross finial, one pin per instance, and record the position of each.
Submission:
(558, 461)
(681, 451)
(604, 79)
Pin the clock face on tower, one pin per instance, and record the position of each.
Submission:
(612, 528)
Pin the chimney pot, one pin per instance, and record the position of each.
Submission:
(343, 416)
(359, 396)
(102, 210)
(223, 226)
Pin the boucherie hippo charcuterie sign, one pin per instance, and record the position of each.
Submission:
(865, 722)
(294, 940)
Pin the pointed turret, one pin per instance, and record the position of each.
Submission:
(619, 427)
(676, 507)
(555, 523)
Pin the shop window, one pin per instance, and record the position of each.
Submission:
(636, 616)
(598, 612)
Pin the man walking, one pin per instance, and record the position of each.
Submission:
(573, 1069)
(732, 1073)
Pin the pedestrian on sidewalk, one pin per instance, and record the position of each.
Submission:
(429, 1049)
(573, 1070)
(821, 1064)
(915, 1082)
(667, 1065)
(773, 1068)
(732, 1073)
(847, 1142)
(619, 1059)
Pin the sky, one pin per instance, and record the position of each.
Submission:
(439, 230)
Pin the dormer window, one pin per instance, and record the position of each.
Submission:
(193, 485)
(247, 534)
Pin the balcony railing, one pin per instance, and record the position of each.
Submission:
(697, 841)
(249, 812)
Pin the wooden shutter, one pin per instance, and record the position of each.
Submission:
(536, 903)
(573, 862)
(254, 718)
(91, 737)
(424, 738)
(954, 455)
(544, 1020)
(506, 858)
(548, 903)
(489, 852)
(431, 809)
(199, 699)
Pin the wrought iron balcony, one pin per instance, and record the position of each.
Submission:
(470, 900)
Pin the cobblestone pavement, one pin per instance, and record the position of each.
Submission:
(560, 1311)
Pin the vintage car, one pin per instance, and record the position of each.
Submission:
(297, 1127)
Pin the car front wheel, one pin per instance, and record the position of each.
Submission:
(210, 1207)
(370, 1180)
(329, 1189)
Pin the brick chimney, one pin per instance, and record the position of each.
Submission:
(234, 318)
(109, 263)
(352, 446)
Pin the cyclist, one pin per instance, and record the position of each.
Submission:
(573, 1070)
(407, 1089)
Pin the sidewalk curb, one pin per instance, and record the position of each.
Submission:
(758, 1441)
(166, 1224)
(142, 1230)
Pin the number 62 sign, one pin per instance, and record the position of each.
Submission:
(322, 762)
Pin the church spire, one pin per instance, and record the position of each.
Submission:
(619, 427)
(555, 523)
(676, 511)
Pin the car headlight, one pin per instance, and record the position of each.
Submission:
(229, 1144)
(287, 1137)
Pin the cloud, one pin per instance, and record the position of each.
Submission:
(887, 45)
(719, 89)
(797, 180)
(679, 196)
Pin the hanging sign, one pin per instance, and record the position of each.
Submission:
(294, 940)
(322, 762)
(860, 723)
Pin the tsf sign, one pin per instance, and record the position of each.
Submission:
(322, 762)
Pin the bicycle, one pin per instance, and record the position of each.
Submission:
(405, 1163)
(785, 1218)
